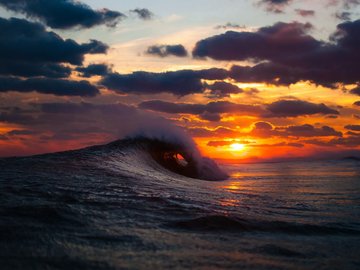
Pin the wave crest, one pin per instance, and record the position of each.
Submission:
(180, 158)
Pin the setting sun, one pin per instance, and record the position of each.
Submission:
(237, 147)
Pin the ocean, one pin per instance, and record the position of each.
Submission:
(135, 204)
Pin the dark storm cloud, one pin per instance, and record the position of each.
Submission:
(26, 42)
(167, 50)
(63, 14)
(305, 12)
(353, 127)
(143, 13)
(218, 107)
(224, 89)
(94, 70)
(295, 108)
(179, 83)
(276, 6)
(48, 86)
(291, 54)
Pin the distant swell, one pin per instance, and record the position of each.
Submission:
(232, 224)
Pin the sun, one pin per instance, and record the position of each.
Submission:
(237, 147)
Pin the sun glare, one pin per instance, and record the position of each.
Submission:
(237, 147)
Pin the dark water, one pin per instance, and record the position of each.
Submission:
(114, 207)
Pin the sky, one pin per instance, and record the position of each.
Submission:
(249, 80)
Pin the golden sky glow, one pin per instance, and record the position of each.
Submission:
(222, 95)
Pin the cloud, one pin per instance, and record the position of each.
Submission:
(224, 89)
(167, 50)
(94, 70)
(332, 117)
(289, 54)
(353, 127)
(350, 133)
(281, 144)
(349, 4)
(310, 131)
(230, 25)
(357, 103)
(16, 116)
(266, 130)
(34, 59)
(48, 86)
(295, 108)
(211, 117)
(280, 41)
(282, 108)
(343, 15)
(179, 83)
(173, 108)
(63, 14)
(355, 91)
(305, 12)
(263, 126)
(276, 6)
(18, 132)
(27, 50)
(82, 124)
(34, 69)
(351, 141)
(225, 143)
(214, 133)
(217, 107)
(143, 13)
